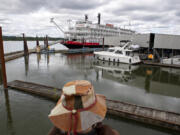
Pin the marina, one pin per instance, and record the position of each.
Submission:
(94, 69)
(81, 65)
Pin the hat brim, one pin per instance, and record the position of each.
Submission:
(61, 117)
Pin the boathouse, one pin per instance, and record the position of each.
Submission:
(161, 45)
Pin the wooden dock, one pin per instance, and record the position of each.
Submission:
(146, 115)
(15, 55)
(147, 62)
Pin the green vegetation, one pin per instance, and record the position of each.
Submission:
(14, 38)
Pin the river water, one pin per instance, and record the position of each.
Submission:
(21, 113)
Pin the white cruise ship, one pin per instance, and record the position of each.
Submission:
(87, 34)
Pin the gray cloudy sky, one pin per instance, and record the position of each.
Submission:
(32, 16)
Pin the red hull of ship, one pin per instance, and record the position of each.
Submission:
(76, 44)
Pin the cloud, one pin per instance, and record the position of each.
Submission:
(32, 16)
(29, 6)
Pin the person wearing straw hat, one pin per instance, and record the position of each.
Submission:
(80, 111)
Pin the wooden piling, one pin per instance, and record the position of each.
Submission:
(37, 41)
(25, 46)
(2, 61)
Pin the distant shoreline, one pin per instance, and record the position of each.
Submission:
(14, 38)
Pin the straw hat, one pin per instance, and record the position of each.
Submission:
(78, 108)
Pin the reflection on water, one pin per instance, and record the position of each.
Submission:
(157, 80)
(26, 62)
(38, 59)
(1, 81)
(116, 71)
(138, 84)
(9, 115)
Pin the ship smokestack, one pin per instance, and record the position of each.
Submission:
(86, 17)
(99, 18)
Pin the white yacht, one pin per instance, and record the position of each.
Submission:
(122, 54)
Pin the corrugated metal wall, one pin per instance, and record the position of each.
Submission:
(163, 41)
(167, 41)
(115, 41)
(140, 39)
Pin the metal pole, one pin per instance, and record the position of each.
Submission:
(2, 61)
(46, 41)
(25, 45)
(83, 41)
(103, 43)
(153, 55)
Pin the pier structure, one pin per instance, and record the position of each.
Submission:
(47, 42)
(37, 41)
(25, 45)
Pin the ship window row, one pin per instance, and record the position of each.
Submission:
(108, 34)
(93, 32)
(103, 30)
(97, 34)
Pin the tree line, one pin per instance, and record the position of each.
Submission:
(15, 38)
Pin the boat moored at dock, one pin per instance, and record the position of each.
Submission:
(173, 60)
(122, 54)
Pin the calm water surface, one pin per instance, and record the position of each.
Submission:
(21, 113)
(13, 46)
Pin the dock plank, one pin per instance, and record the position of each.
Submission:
(131, 111)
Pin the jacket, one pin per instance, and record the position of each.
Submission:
(98, 129)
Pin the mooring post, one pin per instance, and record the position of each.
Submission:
(38, 48)
(25, 45)
(37, 41)
(44, 42)
(2, 61)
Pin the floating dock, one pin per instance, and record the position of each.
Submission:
(146, 115)
(146, 62)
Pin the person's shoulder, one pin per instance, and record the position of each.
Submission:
(103, 129)
(55, 131)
